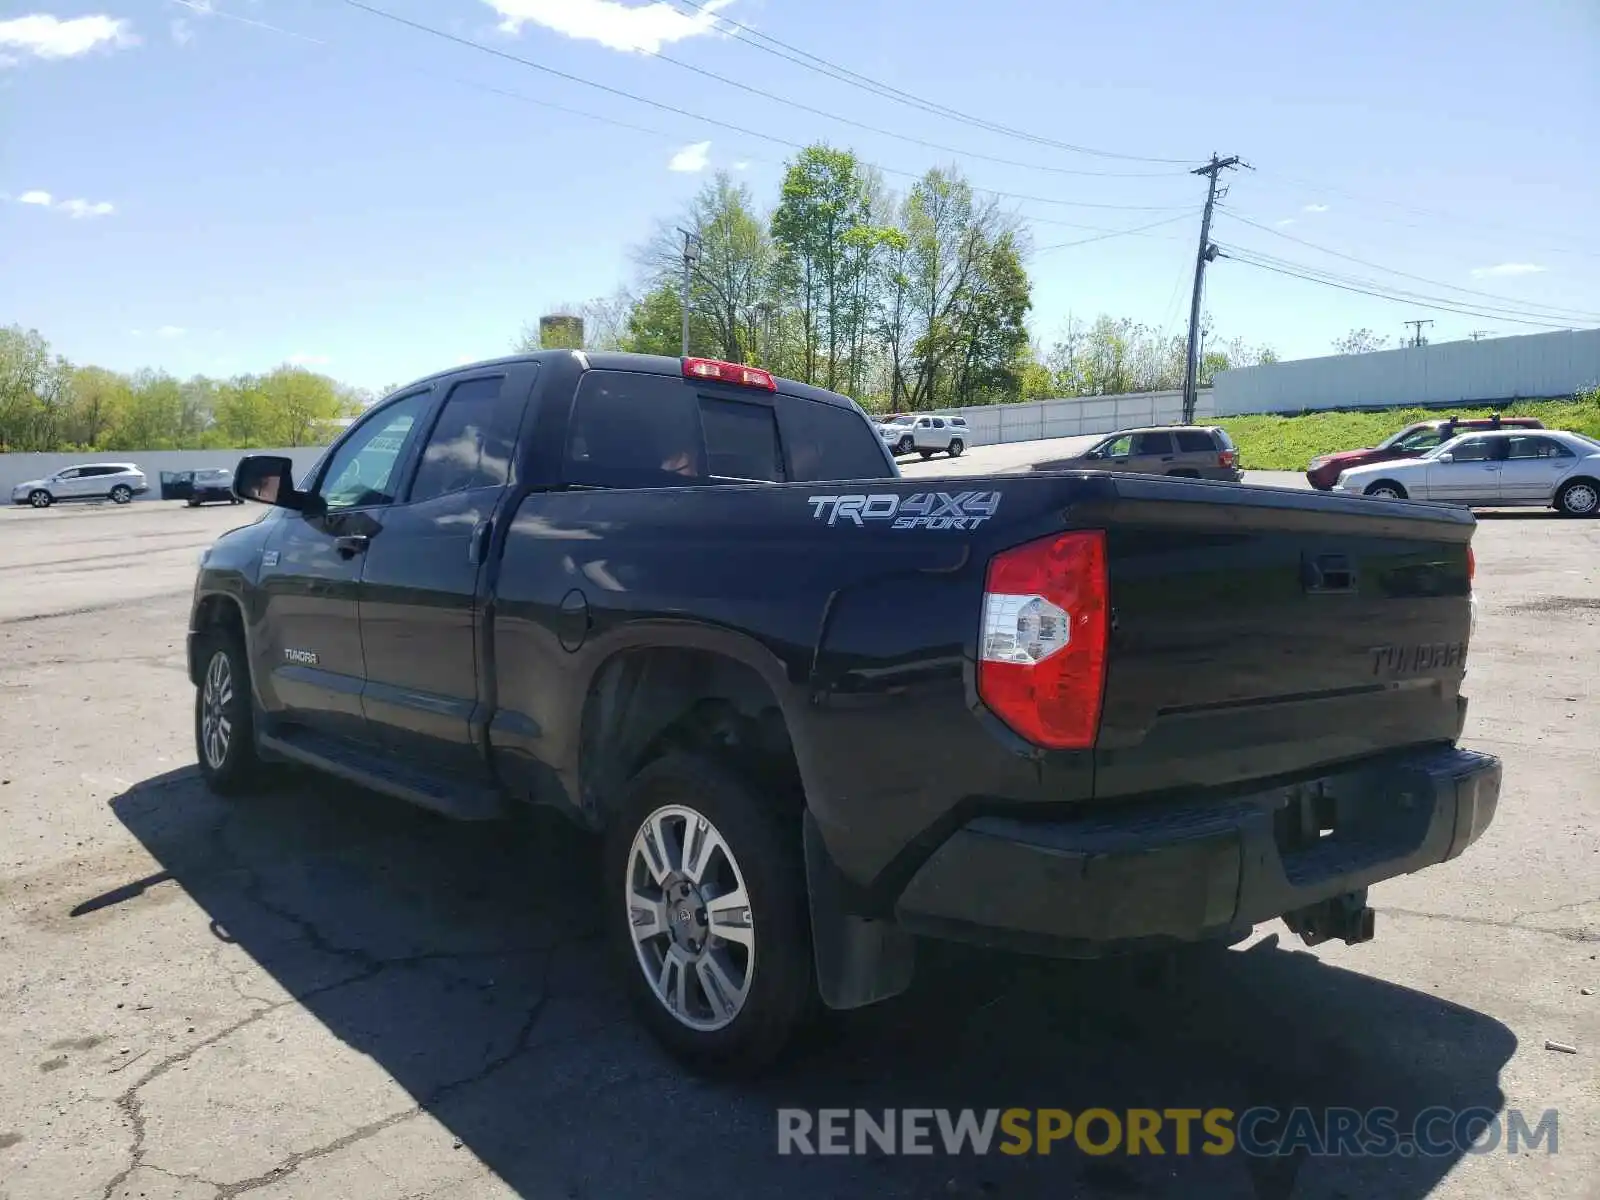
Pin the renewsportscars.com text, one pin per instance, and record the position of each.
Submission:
(1259, 1132)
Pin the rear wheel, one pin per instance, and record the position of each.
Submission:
(40, 498)
(957, 447)
(1386, 489)
(224, 728)
(707, 907)
(121, 494)
(1580, 498)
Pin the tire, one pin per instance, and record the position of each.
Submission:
(1183, 473)
(905, 445)
(121, 494)
(226, 749)
(926, 454)
(767, 990)
(1579, 498)
(957, 447)
(1385, 489)
(40, 498)
(192, 502)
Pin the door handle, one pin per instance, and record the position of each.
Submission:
(1168, 458)
(478, 548)
(351, 544)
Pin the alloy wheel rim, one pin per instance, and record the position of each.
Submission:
(1386, 493)
(216, 730)
(40, 500)
(689, 915)
(1582, 498)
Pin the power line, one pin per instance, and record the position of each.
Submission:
(1433, 213)
(823, 66)
(1398, 292)
(1112, 233)
(1235, 255)
(693, 116)
(1450, 287)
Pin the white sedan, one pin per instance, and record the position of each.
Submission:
(1489, 469)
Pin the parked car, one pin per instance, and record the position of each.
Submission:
(1185, 451)
(211, 485)
(927, 434)
(817, 711)
(1411, 442)
(119, 482)
(1548, 469)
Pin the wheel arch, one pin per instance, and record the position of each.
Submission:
(216, 610)
(1592, 480)
(706, 695)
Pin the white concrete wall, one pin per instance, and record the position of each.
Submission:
(16, 468)
(992, 424)
(1534, 366)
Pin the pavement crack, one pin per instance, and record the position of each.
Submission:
(1581, 936)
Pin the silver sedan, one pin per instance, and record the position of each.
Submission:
(1493, 469)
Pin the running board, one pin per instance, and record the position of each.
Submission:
(369, 770)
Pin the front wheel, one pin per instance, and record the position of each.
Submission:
(1580, 498)
(905, 445)
(121, 494)
(40, 498)
(1385, 489)
(706, 903)
(224, 728)
(957, 446)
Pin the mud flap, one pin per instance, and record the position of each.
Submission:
(859, 960)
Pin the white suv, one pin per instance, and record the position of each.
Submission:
(928, 434)
(120, 482)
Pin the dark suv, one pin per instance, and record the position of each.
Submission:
(1411, 442)
(1185, 451)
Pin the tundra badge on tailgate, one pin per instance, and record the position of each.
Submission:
(920, 510)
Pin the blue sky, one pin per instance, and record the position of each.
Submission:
(220, 191)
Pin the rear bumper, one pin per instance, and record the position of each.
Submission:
(1144, 876)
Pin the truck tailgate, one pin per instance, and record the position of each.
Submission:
(1259, 633)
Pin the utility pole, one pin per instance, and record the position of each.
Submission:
(1416, 339)
(1478, 333)
(1207, 252)
(691, 255)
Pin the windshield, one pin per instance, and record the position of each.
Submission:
(1414, 438)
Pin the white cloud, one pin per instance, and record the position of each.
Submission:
(741, 165)
(73, 208)
(1315, 208)
(44, 36)
(308, 360)
(691, 158)
(78, 209)
(643, 28)
(171, 331)
(182, 32)
(1506, 268)
(1285, 221)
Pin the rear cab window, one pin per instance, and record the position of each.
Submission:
(633, 429)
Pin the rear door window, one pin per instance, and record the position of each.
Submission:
(1151, 444)
(1538, 447)
(471, 443)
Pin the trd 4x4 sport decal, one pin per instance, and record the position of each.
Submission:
(920, 510)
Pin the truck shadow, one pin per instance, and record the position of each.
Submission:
(466, 962)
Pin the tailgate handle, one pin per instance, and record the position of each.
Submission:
(1328, 573)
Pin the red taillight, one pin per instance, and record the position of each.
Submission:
(1472, 565)
(727, 372)
(1042, 644)
(1227, 458)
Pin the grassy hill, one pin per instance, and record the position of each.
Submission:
(1289, 443)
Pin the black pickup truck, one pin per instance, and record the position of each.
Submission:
(817, 710)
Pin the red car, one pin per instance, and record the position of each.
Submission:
(1411, 442)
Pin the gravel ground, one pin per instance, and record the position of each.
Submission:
(324, 993)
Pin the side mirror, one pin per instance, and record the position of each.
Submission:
(1447, 456)
(267, 479)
